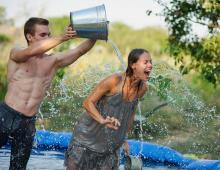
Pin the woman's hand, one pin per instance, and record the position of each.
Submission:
(111, 122)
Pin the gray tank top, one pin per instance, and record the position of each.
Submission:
(94, 136)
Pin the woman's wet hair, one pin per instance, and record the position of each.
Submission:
(29, 26)
(133, 58)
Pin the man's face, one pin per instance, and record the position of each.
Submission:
(41, 32)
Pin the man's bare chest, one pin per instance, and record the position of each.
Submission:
(36, 68)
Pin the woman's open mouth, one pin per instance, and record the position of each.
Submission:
(147, 73)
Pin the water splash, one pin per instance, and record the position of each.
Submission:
(177, 94)
(41, 120)
(168, 90)
(141, 126)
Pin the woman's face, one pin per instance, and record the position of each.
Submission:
(142, 68)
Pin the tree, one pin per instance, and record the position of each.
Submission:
(191, 52)
(2, 15)
(3, 38)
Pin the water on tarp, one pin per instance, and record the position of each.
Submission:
(54, 160)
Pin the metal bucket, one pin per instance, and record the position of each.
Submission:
(90, 23)
(133, 163)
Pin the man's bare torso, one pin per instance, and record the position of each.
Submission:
(28, 82)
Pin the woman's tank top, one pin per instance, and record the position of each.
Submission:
(94, 136)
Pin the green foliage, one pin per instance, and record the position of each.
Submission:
(3, 19)
(177, 115)
(4, 38)
(204, 52)
(58, 24)
(2, 15)
(204, 144)
(3, 81)
(191, 156)
(60, 74)
(153, 39)
(163, 85)
(208, 91)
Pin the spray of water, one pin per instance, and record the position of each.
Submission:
(175, 92)
(63, 102)
(119, 56)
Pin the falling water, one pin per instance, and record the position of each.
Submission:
(118, 54)
(141, 127)
(178, 95)
(64, 101)
(41, 119)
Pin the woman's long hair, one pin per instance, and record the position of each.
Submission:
(133, 58)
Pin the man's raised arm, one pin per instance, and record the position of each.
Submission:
(67, 58)
(40, 47)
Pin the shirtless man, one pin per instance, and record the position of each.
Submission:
(30, 72)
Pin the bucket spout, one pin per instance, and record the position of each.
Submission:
(90, 23)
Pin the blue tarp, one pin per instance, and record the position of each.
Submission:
(148, 151)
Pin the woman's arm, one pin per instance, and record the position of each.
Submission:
(105, 87)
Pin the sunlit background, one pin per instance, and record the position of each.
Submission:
(181, 109)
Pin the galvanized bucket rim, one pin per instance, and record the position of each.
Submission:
(105, 23)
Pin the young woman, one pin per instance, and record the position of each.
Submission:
(102, 129)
